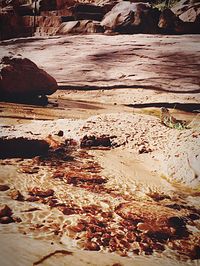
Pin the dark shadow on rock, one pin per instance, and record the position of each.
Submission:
(22, 148)
(40, 100)
(187, 107)
(122, 86)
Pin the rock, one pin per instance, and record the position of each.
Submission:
(91, 245)
(93, 141)
(5, 211)
(171, 24)
(20, 77)
(41, 193)
(6, 220)
(128, 17)
(146, 61)
(187, 10)
(151, 218)
(88, 12)
(22, 147)
(60, 133)
(82, 26)
(64, 4)
(16, 195)
(4, 187)
(12, 26)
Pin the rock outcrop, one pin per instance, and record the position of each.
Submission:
(12, 26)
(171, 24)
(188, 11)
(81, 26)
(21, 78)
(88, 11)
(128, 17)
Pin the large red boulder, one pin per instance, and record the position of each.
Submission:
(20, 77)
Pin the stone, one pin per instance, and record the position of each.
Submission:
(5, 211)
(128, 17)
(187, 10)
(6, 220)
(41, 193)
(169, 23)
(16, 195)
(20, 77)
(85, 11)
(93, 141)
(82, 26)
(4, 187)
(12, 26)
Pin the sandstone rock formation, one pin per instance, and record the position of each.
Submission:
(12, 25)
(81, 26)
(188, 11)
(128, 17)
(171, 24)
(20, 78)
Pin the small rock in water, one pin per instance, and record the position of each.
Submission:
(5, 211)
(6, 220)
(4, 187)
(60, 133)
(41, 193)
(16, 195)
(93, 141)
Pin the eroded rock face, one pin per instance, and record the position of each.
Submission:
(20, 77)
(188, 11)
(88, 11)
(12, 26)
(81, 26)
(127, 17)
(171, 24)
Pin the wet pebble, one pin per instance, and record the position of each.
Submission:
(4, 187)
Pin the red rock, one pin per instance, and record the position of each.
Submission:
(4, 187)
(93, 141)
(171, 24)
(92, 246)
(80, 26)
(16, 195)
(5, 211)
(32, 199)
(6, 220)
(41, 193)
(22, 78)
(77, 228)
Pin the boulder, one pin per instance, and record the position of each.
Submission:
(187, 10)
(128, 17)
(20, 77)
(82, 26)
(169, 23)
